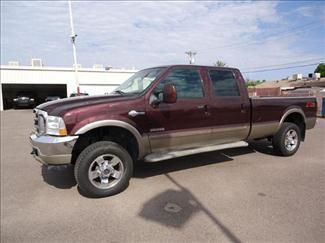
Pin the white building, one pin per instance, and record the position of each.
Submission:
(56, 81)
(297, 76)
(316, 76)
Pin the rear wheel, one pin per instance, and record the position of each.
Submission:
(287, 140)
(103, 169)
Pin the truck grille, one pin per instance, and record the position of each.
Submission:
(40, 121)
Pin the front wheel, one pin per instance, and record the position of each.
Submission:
(103, 169)
(287, 140)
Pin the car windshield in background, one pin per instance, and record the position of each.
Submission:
(51, 98)
(80, 94)
(139, 82)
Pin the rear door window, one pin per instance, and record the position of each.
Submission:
(224, 83)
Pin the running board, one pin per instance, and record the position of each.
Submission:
(155, 157)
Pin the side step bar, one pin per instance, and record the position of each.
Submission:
(155, 157)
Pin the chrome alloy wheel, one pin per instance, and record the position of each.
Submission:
(291, 140)
(105, 171)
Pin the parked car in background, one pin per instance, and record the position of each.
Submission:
(24, 100)
(81, 94)
(51, 98)
(163, 113)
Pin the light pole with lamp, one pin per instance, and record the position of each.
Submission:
(73, 40)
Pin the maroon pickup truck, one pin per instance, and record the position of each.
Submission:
(162, 113)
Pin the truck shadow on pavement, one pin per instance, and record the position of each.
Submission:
(61, 176)
(143, 170)
(262, 146)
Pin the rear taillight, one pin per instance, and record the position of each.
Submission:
(310, 104)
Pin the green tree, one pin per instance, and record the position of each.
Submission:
(253, 83)
(320, 69)
(220, 64)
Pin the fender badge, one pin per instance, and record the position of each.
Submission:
(160, 129)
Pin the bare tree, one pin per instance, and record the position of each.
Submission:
(220, 64)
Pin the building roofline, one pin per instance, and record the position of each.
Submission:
(102, 70)
(66, 69)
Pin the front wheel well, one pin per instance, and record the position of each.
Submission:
(115, 134)
(298, 119)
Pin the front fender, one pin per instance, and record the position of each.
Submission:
(142, 141)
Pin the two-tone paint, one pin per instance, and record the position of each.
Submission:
(187, 123)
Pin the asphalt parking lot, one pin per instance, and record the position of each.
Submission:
(237, 195)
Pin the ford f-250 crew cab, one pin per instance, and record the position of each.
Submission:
(161, 113)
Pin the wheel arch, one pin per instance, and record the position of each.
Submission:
(296, 116)
(111, 129)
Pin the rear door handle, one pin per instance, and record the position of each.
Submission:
(242, 108)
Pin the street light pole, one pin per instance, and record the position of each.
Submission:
(73, 40)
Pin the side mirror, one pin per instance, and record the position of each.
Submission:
(170, 94)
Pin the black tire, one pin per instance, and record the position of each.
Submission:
(279, 139)
(87, 158)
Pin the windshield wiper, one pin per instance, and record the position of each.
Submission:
(119, 92)
(124, 93)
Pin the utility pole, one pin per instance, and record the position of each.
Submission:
(73, 40)
(191, 55)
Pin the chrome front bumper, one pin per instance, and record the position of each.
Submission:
(52, 150)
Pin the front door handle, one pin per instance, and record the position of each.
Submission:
(134, 113)
(203, 107)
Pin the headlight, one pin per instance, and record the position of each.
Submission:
(15, 99)
(31, 99)
(55, 126)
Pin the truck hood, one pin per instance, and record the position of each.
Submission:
(59, 107)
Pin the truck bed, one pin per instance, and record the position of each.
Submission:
(267, 112)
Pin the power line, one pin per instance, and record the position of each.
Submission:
(275, 69)
(284, 64)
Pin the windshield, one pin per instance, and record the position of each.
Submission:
(139, 82)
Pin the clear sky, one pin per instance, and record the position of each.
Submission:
(249, 35)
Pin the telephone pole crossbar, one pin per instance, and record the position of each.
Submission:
(191, 55)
